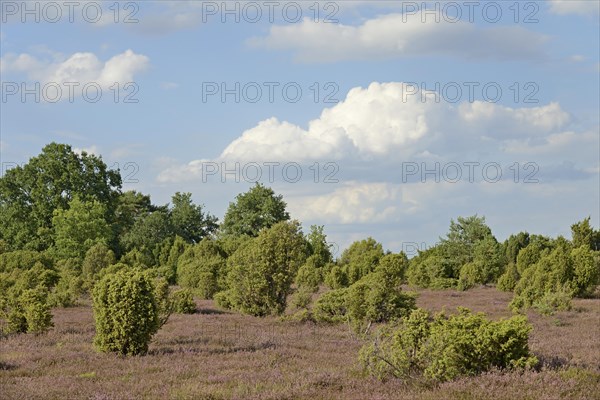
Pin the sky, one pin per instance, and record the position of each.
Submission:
(374, 118)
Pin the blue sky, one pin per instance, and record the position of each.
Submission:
(368, 126)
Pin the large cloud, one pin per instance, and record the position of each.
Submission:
(375, 131)
(403, 35)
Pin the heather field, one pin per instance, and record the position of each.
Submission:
(216, 354)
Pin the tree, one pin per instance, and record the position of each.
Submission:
(131, 206)
(486, 266)
(262, 271)
(254, 210)
(514, 244)
(584, 234)
(188, 219)
(148, 232)
(318, 246)
(126, 312)
(30, 194)
(458, 245)
(586, 269)
(79, 227)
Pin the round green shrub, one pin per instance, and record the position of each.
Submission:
(183, 301)
(126, 312)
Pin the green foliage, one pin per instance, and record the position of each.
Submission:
(310, 274)
(68, 289)
(552, 281)
(23, 260)
(189, 220)
(331, 306)
(253, 211)
(337, 277)
(393, 267)
(126, 312)
(319, 249)
(26, 311)
(96, 259)
(586, 269)
(30, 194)
(36, 309)
(200, 267)
(301, 299)
(531, 254)
(80, 227)
(585, 235)
(183, 301)
(458, 247)
(431, 270)
(169, 266)
(508, 280)
(148, 232)
(261, 273)
(513, 245)
(361, 258)
(376, 298)
(444, 348)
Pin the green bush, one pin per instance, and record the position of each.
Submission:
(126, 312)
(337, 278)
(469, 276)
(36, 310)
(586, 269)
(558, 276)
(26, 311)
(508, 280)
(309, 275)
(430, 270)
(200, 267)
(24, 260)
(261, 273)
(68, 289)
(302, 298)
(394, 267)
(375, 298)
(96, 259)
(361, 258)
(183, 301)
(444, 348)
(331, 306)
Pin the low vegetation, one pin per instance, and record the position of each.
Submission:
(70, 238)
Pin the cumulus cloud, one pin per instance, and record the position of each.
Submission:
(402, 35)
(81, 67)
(376, 131)
(385, 120)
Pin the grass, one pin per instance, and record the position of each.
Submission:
(215, 354)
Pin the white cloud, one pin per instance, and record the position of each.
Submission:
(374, 131)
(351, 203)
(81, 67)
(580, 7)
(402, 35)
(383, 124)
